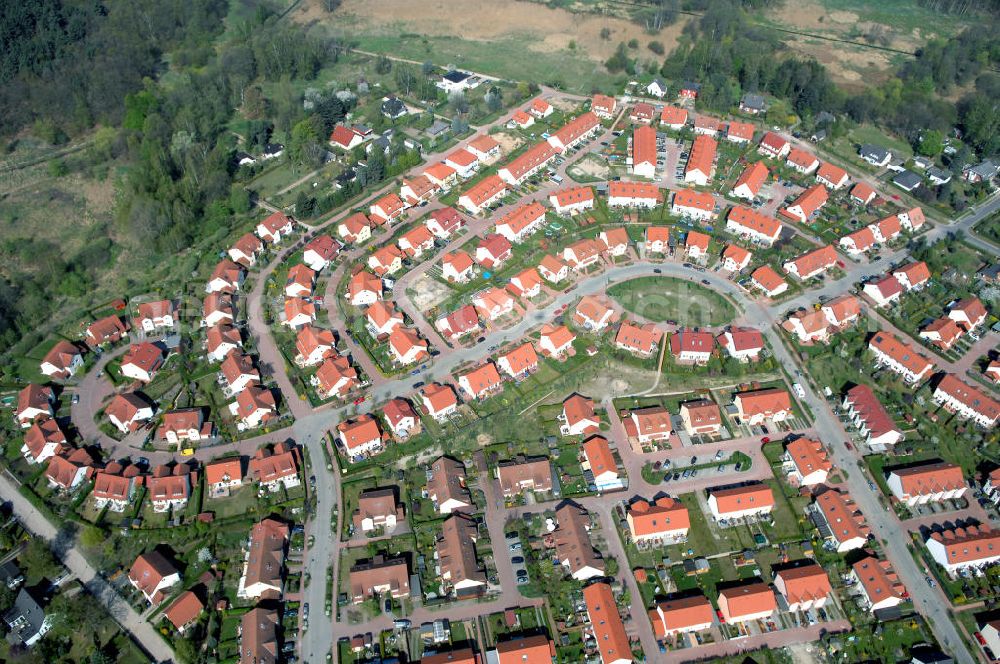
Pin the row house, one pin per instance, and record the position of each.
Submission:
(963, 550)
(742, 343)
(527, 164)
(574, 132)
(698, 205)
(572, 201)
(926, 482)
(967, 401)
(877, 584)
(805, 586)
(634, 194)
(899, 357)
(812, 263)
(869, 416)
(701, 161)
(574, 550)
(521, 222)
(840, 521)
(753, 225)
(483, 194)
(665, 521)
(598, 459)
(747, 603)
(692, 346)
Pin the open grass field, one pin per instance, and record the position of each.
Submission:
(510, 39)
(661, 299)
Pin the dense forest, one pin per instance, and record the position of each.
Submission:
(729, 55)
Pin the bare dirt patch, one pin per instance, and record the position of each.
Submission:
(565, 105)
(488, 20)
(590, 168)
(508, 142)
(427, 293)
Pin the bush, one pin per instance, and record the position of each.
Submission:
(656, 47)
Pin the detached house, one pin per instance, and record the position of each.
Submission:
(750, 182)
(62, 361)
(457, 267)
(275, 228)
(386, 210)
(578, 417)
(493, 251)
(156, 315)
(42, 441)
(335, 377)
(690, 346)
(320, 252)
(520, 362)
(275, 468)
(808, 202)
(227, 277)
(440, 401)
(34, 402)
(142, 361)
(108, 330)
(735, 258)
(360, 437)
(406, 346)
(664, 522)
(774, 146)
(742, 343)
(444, 222)
(812, 263)
(757, 406)
(446, 486)
(151, 574)
(254, 406)
(556, 341)
(481, 382)
(169, 489)
(766, 279)
(127, 412)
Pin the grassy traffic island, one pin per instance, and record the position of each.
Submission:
(660, 299)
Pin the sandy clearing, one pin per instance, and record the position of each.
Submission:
(591, 167)
(428, 292)
(489, 20)
(508, 142)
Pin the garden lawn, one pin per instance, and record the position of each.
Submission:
(661, 299)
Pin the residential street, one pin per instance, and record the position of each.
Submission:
(141, 631)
